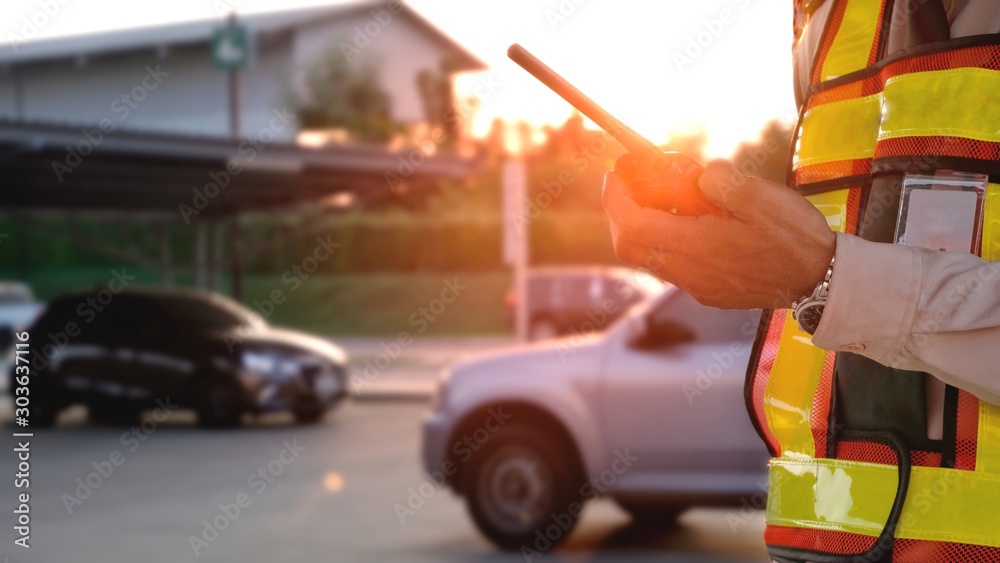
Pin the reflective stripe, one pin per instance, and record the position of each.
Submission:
(855, 497)
(855, 39)
(991, 224)
(922, 104)
(833, 206)
(844, 130)
(941, 103)
(790, 389)
(988, 441)
(798, 364)
(988, 446)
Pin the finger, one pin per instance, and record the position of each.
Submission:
(643, 225)
(724, 185)
(660, 262)
(627, 165)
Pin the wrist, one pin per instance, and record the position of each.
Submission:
(813, 267)
(808, 312)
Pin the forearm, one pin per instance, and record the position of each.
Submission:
(918, 310)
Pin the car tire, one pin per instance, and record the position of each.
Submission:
(543, 329)
(112, 414)
(651, 514)
(514, 485)
(43, 413)
(46, 401)
(309, 414)
(219, 403)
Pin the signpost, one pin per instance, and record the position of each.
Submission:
(231, 52)
(515, 239)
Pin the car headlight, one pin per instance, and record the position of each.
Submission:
(270, 365)
(440, 396)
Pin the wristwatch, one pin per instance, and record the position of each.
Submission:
(808, 311)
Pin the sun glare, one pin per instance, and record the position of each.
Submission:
(722, 66)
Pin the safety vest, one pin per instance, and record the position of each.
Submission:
(854, 477)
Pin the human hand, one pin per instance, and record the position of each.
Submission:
(764, 247)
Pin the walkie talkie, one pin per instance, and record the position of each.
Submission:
(657, 179)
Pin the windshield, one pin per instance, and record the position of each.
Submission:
(210, 312)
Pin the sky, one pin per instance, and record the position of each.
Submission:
(661, 66)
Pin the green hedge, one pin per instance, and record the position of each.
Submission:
(369, 243)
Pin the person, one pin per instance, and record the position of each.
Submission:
(874, 378)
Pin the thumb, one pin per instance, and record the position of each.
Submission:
(727, 187)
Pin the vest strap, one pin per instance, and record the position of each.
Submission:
(855, 497)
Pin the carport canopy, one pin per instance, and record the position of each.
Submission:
(73, 173)
(61, 168)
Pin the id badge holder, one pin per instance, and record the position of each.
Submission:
(942, 212)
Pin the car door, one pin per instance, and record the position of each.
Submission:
(101, 344)
(673, 395)
(161, 355)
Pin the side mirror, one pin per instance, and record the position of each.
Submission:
(661, 334)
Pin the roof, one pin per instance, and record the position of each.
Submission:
(200, 31)
(155, 172)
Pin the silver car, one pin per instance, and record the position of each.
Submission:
(650, 413)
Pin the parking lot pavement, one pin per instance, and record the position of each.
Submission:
(385, 368)
(310, 493)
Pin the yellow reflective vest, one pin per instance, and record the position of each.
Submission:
(854, 475)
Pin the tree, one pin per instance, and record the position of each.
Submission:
(766, 157)
(348, 96)
(438, 95)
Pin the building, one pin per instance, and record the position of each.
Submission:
(162, 79)
(137, 126)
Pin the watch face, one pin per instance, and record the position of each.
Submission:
(809, 316)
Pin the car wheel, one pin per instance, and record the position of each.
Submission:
(309, 414)
(218, 403)
(651, 514)
(46, 402)
(543, 329)
(520, 490)
(112, 414)
(43, 413)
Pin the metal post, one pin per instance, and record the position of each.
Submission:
(166, 271)
(218, 255)
(516, 240)
(234, 93)
(200, 266)
(236, 264)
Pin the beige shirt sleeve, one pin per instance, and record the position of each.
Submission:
(917, 309)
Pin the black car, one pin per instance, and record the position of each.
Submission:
(120, 353)
(567, 300)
